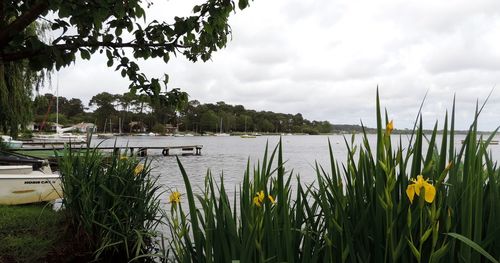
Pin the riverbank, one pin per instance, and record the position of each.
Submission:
(36, 233)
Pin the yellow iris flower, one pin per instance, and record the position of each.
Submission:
(138, 169)
(256, 201)
(259, 199)
(389, 127)
(430, 190)
(175, 197)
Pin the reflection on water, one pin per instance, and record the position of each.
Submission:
(229, 155)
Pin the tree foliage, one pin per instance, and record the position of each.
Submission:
(117, 28)
(187, 116)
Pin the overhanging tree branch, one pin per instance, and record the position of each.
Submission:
(14, 56)
(18, 25)
(71, 46)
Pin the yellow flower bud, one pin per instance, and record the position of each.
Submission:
(138, 169)
(271, 198)
(175, 197)
(390, 127)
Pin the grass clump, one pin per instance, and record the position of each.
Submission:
(424, 201)
(111, 202)
(29, 233)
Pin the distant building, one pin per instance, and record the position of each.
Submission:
(30, 126)
(169, 128)
(137, 126)
(85, 127)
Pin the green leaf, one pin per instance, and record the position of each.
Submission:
(85, 54)
(474, 246)
(426, 235)
(242, 4)
(414, 250)
(436, 256)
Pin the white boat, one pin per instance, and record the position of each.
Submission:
(20, 184)
(61, 136)
(12, 144)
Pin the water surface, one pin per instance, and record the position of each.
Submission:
(229, 155)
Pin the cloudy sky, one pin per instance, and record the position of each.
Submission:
(325, 58)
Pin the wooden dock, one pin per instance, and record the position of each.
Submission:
(131, 150)
(50, 144)
(492, 142)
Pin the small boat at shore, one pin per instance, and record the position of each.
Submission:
(10, 143)
(20, 184)
(247, 136)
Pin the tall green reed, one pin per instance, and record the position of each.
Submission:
(356, 211)
(112, 203)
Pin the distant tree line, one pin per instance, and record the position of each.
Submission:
(108, 110)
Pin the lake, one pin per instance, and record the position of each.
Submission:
(229, 155)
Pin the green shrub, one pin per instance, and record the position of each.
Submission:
(111, 203)
(159, 129)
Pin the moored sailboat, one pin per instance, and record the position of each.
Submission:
(222, 134)
(61, 136)
(246, 135)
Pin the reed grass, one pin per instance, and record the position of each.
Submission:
(111, 203)
(356, 211)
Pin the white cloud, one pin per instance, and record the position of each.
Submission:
(325, 59)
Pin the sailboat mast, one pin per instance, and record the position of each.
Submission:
(57, 102)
